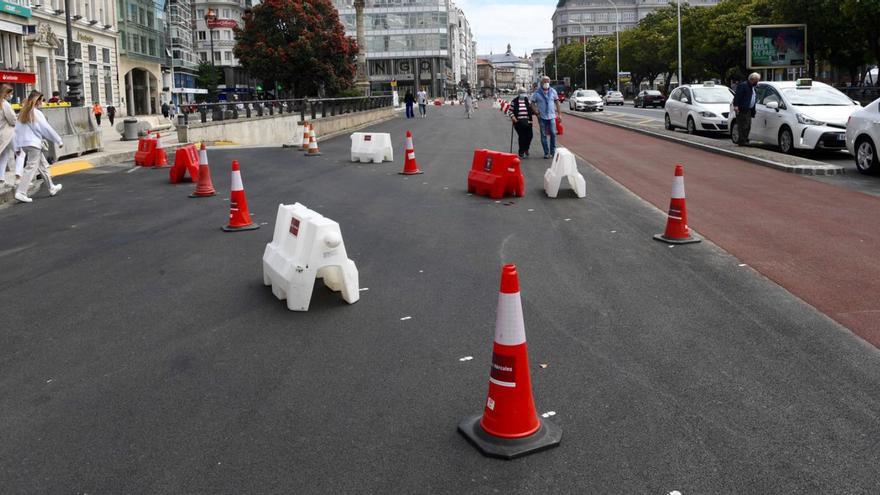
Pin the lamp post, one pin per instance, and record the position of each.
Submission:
(74, 81)
(210, 17)
(584, 37)
(679, 42)
(361, 81)
(617, 32)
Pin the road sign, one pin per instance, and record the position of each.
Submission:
(624, 74)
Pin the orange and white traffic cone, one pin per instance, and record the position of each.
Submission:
(509, 426)
(410, 167)
(239, 217)
(306, 127)
(160, 159)
(313, 143)
(677, 231)
(205, 187)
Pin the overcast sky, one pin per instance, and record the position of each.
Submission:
(525, 24)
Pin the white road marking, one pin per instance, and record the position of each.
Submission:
(136, 167)
(548, 414)
(466, 358)
(531, 209)
(742, 264)
(364, 288)
(406, 318)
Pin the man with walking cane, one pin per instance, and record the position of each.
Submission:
(520, 112)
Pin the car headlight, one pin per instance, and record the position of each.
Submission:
(707, 114)
(803, 119)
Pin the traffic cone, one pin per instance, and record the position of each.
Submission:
(160, 159)
(509, 426)
(313, 143)
(677, 231)
(239, 217)
(410, 167)
(306, 127)
(204, 187)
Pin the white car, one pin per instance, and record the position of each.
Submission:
(613, 98)
(585, 99)
(863, 137)
(698, 107)
(800, 114)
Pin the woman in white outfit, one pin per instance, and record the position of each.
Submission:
(7, 130)
(31, 130)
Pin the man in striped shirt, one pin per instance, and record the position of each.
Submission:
(520, 112)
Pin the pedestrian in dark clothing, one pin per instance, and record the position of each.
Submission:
(409, 101)
(521, 113)
(111, 113)
(165, 109)
(744, 101)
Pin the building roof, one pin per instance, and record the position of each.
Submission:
(507, 57)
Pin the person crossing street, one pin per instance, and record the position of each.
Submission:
(423, 103)
(521, 113)
(545, 104)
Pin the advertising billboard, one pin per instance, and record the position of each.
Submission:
(776, 46)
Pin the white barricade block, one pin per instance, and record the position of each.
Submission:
(297, 140)
(371, 147)
(306, 246)
(564, 165)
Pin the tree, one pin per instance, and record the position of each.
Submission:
(208, 77)
(298, 43)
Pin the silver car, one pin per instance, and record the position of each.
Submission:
(698, 107)
(586, 99)
(613, 98)
(863, 137)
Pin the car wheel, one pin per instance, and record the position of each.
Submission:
(667, 123)
(786, 141)
(734, 132)
(692, 126)
(866, 156)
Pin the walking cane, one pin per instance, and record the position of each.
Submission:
(511, 137)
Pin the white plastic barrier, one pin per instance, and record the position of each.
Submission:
(564, 165)
(297, 140)
(305, 246)
(371, 147)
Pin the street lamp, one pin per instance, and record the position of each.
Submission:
(584, 33)
(210, 17)
(678, 2)
(617, 32)
(74, 81)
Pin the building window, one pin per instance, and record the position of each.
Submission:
(150, 20)
(93, 81)
(132, 12)
(203, 56)
(61, 76)
(106, 54)
(225, 14)
(152, 47)
(144, 44)
(227, 55)
(108, 86)
(200, 13)
(202, 36)
(59, 50)
(93, 53)
(142, 17)
(76, 50)
(216, 56)
(124, 38)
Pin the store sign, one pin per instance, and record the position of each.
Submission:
(222, 23)
(11, 8)
(189, 91)
(18, 77)
(782, 45)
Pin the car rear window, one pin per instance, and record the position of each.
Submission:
(653, 93)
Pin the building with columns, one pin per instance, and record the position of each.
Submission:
(141, 52)
(518, 71)
(44, 49)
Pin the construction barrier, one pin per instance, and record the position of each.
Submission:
(677, 230)
(373, 147)
(186, 160)
(239, 216)
(205, 186)
(410, 166)
(495, 174)
(306, 246)
(564, 165)
(146, 151)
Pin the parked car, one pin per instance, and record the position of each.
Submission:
(863, 136)
(650, 97)
(698, 107)
(586, 99)
(613, 98)
(800, 114)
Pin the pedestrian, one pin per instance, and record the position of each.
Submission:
(545, 104)
(56, 97)
(521, 113)
(172, 110)
(31, 132)
(468, 103)
(744, 107)
(7, 131)
(111, 112)
(408, 100)
(423, 103)
(165, 109)
(98, 111)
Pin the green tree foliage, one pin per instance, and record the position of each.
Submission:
(208, 77)
(298, 43)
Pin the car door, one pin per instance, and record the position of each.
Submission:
(772, 118)
(672, 106)
(684, 107)
(758, 123)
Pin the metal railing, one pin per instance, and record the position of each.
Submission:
(307, 108)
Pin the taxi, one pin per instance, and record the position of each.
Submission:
(698, 107)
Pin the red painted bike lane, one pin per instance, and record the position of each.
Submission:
(819, 241)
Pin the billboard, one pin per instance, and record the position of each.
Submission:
(776, 46)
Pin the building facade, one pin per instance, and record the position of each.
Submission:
(141, 53)
(485, 78)
(539, 56)
(520, 68)
(43, 50)
(418, 43)
(181, 61)
(574, 19)
(214, 43)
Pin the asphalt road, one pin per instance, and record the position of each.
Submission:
(140, 352)
(851, 179)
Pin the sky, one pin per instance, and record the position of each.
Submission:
(525, 24)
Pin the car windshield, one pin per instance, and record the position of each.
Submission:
(585, 93)
(712, 95)
(816, 96)
(652, 93)
(614, 93)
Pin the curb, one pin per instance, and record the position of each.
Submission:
(7, 194)
(805, 169)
